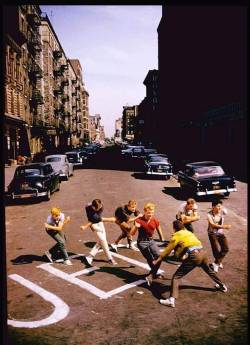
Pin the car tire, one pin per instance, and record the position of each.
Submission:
(58, 186)
(227, 194)
(48, 196)
(67, 177)
(167, 177)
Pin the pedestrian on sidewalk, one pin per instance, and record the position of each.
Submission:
(188, 247)
(125, 217)
(94, 212)
(146, 226)
(216, 234)
(187, 213)
(54, 228)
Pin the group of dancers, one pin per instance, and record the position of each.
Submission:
(183, 244)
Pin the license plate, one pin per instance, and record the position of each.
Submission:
(24, 186)
(216, 187)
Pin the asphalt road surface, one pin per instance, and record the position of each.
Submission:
(111, 305)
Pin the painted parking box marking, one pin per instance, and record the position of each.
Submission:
(72, 278)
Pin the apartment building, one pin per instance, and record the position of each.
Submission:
(129, 122)
(22, 78)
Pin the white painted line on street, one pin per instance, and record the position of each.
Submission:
(71, 278)
(85, 271)
(60, 312)
(125, 287)
(135, 262)
(86, 286)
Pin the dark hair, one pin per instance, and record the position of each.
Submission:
(178, 225)
(96, 203)
(216, 202)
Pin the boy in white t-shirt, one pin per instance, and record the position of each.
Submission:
(187, 213)
(54, 228)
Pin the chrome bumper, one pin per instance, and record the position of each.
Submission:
(158, 173)
(217, 191)
(29, 195)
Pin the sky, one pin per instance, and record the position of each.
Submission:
(116, 46)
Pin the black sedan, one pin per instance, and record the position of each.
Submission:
(205, 178)
(158, 165)
(35, 180)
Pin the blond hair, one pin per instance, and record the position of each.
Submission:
(132, 202)
(55, 211)
(149, 205)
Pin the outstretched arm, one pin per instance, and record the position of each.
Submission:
(84, 227)
(109, 219)
(159, 230)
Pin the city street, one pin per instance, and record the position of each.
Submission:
(111, 305)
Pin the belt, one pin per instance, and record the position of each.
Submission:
(145, 239)
(193, 250)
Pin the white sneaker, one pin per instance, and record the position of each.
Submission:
(149, 280)
(221, 265)
(133, 247)
(215, 267)
(168, 302)
(89, 260)
(67, 262)
(49, 256)
(222, 288)
(114, 247)
(112, 262)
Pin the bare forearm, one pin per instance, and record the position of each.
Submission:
(109, 219)
(160, 234)
(52, 227)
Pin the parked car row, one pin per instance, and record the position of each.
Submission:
(197, 178)
(41, 179)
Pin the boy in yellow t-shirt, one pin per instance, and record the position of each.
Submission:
(188, 247)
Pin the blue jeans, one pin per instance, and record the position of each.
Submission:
(150, 251)
(59, 237)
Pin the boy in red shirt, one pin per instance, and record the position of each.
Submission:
(146, 226)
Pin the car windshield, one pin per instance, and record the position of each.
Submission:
(27, 172)
(209, 171)
(72, 155)
(53, 159)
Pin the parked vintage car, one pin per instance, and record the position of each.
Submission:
(158, 165)
(61, 165)
(142, 152)
(151, 155)
(34, 180)
(129, 150)
(75, 158)
(206, 178)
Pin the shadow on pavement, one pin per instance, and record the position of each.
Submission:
(143, 176)
(28, 259)
(174, 192)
